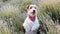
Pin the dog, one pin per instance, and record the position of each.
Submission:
(31, 23)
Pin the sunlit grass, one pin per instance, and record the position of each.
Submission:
(15, 10)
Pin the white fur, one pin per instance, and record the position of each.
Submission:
(30, 25)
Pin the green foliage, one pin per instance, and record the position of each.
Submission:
(49, 9)
(22, 6)
(9, 11)
(52, 8)
(17, 9)
(14, 11)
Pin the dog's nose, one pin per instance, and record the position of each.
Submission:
(33, 11)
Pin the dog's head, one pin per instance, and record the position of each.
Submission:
(32, 9)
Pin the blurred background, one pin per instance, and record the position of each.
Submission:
(13, 14)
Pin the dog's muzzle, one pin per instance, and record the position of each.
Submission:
(33, 11)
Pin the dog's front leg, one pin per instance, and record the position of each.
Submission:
(27, 28)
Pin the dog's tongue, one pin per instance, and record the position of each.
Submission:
(32, 18)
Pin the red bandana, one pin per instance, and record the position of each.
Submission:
(32, 18)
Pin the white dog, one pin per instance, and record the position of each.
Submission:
(31, 23)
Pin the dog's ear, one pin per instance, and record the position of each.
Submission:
(27, 7)
(37, 6)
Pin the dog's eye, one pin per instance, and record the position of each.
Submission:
(30, 7)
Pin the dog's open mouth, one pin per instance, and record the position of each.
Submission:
(33, 13)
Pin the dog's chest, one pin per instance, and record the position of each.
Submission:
(32, 18)
(31, 23)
